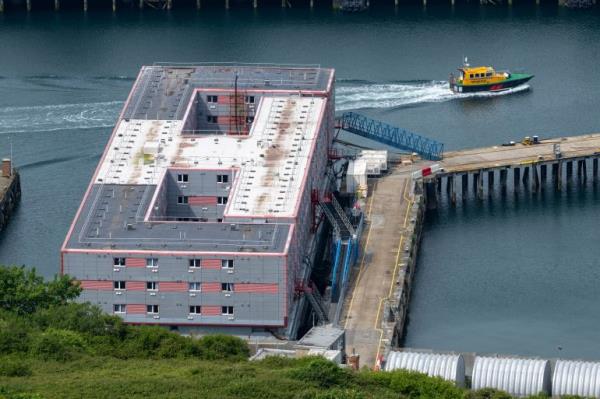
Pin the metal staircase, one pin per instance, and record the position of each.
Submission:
(316, 301)
(391, 135)
(337, 217)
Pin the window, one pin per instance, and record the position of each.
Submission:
(152, 309)
(119, 285)
(119, 261)
(221, 200)
(151, 262)
(195, 286)
(182, 199)
(249, 100)
(227, 287)
(222, 178)
(249, 119)
(194, 263)
(471, 75)
(182, 178)
(227, 263)
(152, 286)
(211, 119)
(195, 309)
(489, 74)
(119, 308)
(219, 220)
(227, 310)
(212, 99)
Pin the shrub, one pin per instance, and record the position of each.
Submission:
(57, 344)
(14, 333)
(412, 384)
(24, 291)
(214, 347)
(13, 367)
(320, 372)
(488, 393)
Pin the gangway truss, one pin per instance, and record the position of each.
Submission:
(391, 135)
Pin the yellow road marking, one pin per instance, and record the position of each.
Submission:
(362, 260)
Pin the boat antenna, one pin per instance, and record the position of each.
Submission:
(466, 62)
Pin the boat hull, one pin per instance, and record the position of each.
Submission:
(491, 87)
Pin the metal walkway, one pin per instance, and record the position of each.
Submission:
(391, 135)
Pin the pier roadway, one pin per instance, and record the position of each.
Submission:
(498, 156)
(387, 211)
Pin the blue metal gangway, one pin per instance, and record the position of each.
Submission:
(391, 135)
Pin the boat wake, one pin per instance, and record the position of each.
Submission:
(47, 118)
(352, 95)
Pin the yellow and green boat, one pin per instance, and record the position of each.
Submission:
(485, 78)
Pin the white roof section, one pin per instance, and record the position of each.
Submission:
(518, 377)
(272, 159)
(446, 366)
(576, 378)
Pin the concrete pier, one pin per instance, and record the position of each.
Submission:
(375, 316)
(10, 192)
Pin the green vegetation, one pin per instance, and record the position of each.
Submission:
(53, 348)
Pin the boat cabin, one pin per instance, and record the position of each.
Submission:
(479, 75)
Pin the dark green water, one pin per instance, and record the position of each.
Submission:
(507, 276)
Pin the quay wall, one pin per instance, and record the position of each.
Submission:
(10, 197)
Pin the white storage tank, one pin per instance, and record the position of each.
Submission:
(576, 378)
(448, 367)
(356, 176)
(518, 377)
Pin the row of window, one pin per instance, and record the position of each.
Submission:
(184, 200)
(480, 75)
(213, 99)
(154, 309)
(194, 262)
(215, 119)
(184, 178)
(154, 286)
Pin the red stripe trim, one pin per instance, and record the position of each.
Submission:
(172, 286)
(211, 287)
(211, 310)
(135, 262)
(202, 200)
(136, 308)
(256, 288)
(211, 263)
(97, 285)
(135, 285)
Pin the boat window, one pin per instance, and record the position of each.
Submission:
(471, 76)
(489, 74)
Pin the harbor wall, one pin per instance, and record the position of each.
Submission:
(10, 196)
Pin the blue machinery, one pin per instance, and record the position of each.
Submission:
(391, 135)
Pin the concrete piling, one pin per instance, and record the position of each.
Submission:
(595, 168)
(465, 185)
(516, 178)
(490, 182)
(114, 5)
(535, 180)
(1, 5)
(28, 4)
(56, 5)
(85, 5)
(227, 4)
(569, 170)
(312, 3)
(480, 185)
(559, 176)
(526, 176)
(503, 176)
(543, 172)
